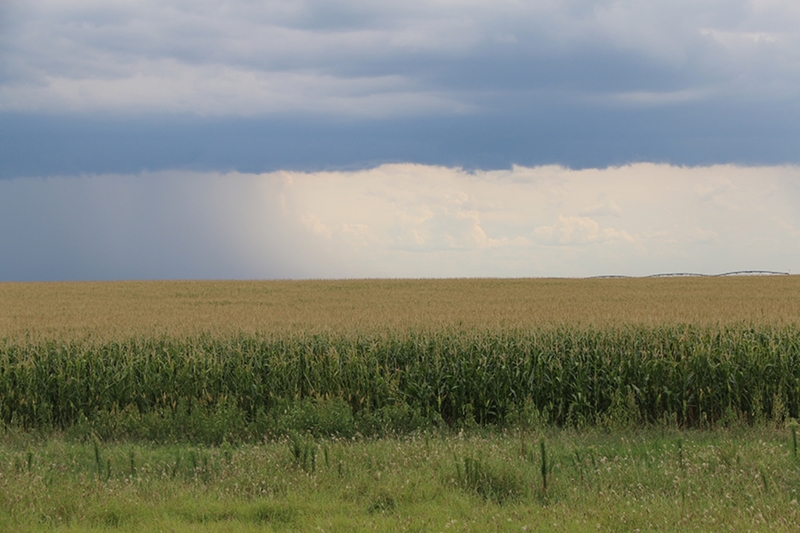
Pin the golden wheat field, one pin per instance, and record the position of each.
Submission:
(109, 310)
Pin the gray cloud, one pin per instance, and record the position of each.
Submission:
(175, 225)
(393, 58)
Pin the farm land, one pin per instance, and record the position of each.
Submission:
(657, 404)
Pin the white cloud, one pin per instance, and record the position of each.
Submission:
(604, 208)
(402, 220)
(629, 220)
(577, 231)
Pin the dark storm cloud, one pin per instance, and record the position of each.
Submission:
(697, 134)
(123, 86)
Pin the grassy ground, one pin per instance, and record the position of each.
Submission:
(659, 479)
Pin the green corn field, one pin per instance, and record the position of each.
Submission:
(242, 385)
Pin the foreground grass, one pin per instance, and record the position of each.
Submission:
(480, 480)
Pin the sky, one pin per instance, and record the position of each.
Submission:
(314, 139)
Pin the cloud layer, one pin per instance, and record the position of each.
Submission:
(402, 220)
(395, 58)
(117, 86)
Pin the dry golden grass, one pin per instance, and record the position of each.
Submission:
(109, 310)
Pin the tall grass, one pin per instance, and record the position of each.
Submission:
(744, 480)
(242, 386)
